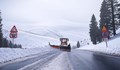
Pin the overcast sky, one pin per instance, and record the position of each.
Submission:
(50, 12)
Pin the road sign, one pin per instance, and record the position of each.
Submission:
(105, 34)
(13, 32)
(14, 29)
(104, 29)
(13, 35)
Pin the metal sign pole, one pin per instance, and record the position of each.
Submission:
(106, 43)
(105, 39)
(13, 43)
(105, 35)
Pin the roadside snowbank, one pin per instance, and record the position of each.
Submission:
(60, 63)
(113, 47)
(7, 54)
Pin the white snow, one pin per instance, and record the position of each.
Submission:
(8, 54)
(40, 36)
(59, 63)
(34, 38)
(113, 46)
(73, 36)
(37, 38)
(118, 31)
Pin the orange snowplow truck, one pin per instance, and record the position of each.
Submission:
(63, 46)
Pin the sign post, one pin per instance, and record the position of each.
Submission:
(105, 35)
(13, 33)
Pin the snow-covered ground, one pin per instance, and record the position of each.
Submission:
(35, 38)
(8, 54)
(113, 46)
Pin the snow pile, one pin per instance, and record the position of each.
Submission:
(7, 54)
(113, 46)
(60, 63)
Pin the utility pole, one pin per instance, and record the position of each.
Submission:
(113, 18)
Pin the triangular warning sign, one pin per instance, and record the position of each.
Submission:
(14, 29)
(104, 29)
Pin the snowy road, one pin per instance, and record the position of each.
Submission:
(74, 60)
(86, 60)
(37, 61)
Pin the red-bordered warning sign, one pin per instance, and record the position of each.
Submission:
(13, 32)
(14, 29)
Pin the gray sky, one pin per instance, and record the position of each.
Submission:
(50, 12)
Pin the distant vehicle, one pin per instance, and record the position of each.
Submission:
(63, 46)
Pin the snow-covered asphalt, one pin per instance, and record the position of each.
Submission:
(26, 64)
(74, 60)
(86, 60)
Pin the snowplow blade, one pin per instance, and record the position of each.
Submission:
(54, 46)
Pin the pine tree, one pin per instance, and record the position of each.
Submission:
(5, 42)
(107, 16)
(94, 30)
(10, 44)
(117, 15)
(1, 35)
(114, 10)
(78, 44)
(15, 46)
(99, 35)
(20, 46)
